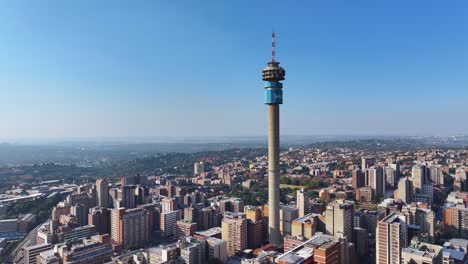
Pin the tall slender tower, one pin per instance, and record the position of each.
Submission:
(273, 74)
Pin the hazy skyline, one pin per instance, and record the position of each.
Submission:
(163, 68)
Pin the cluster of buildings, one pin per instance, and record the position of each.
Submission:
(100, 222)
(378, 207)
(122, 221)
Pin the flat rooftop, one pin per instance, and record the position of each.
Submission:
(209, 232)
(306, 218)
(393, 218)
(306, 250)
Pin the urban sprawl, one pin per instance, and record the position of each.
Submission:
(337, 206)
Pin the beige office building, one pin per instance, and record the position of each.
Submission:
(305, 226)
(339, 217)
(302, 201)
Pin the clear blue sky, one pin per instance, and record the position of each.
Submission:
(193, 68)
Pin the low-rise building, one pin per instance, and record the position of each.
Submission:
(421, 253)
(85, 251)
(305, 226)
(319, 249)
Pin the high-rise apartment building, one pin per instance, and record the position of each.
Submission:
(100, 218)
(419, 176)
(366, 163)
(375, 179)
(339, 217)
(362, 241)
(129, 227)
(128, 196)
(234, 232)
(205, 218)
(460, 173)
(142, 195)
(234, 205)
(185, 229)
(287, 216)
(102, 193)
(426, 219)
(368, 220)
(198, 168)
(302, 202)
(421, 215)
(404, 190)
(169, 204)
(253, 213)
(461, 177)
(191, 214)
(254, 216)
(358, 179)
(80, 211)
(425, 194)
(456, 220)
(133, 180)
(168, 223)
(192, 251)
(391, 237)
(217, 249)
(254, 234)
(396, 168)
(390, 176)
(435, 174)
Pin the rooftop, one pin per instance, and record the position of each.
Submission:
(214, 240)
(305, 251)
(306, 218)
(423, 250)
(458, 242)
(394, 218)
(209, 232)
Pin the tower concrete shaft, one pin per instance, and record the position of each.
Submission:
(273, 176)
(273, 74)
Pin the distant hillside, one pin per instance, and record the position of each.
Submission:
(94, 154)
(182, 163)
(394, 144)
(169, 163)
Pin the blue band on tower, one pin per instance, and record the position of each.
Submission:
(273, 96)
(277, 85)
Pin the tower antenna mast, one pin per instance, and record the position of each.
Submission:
(273, 49)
